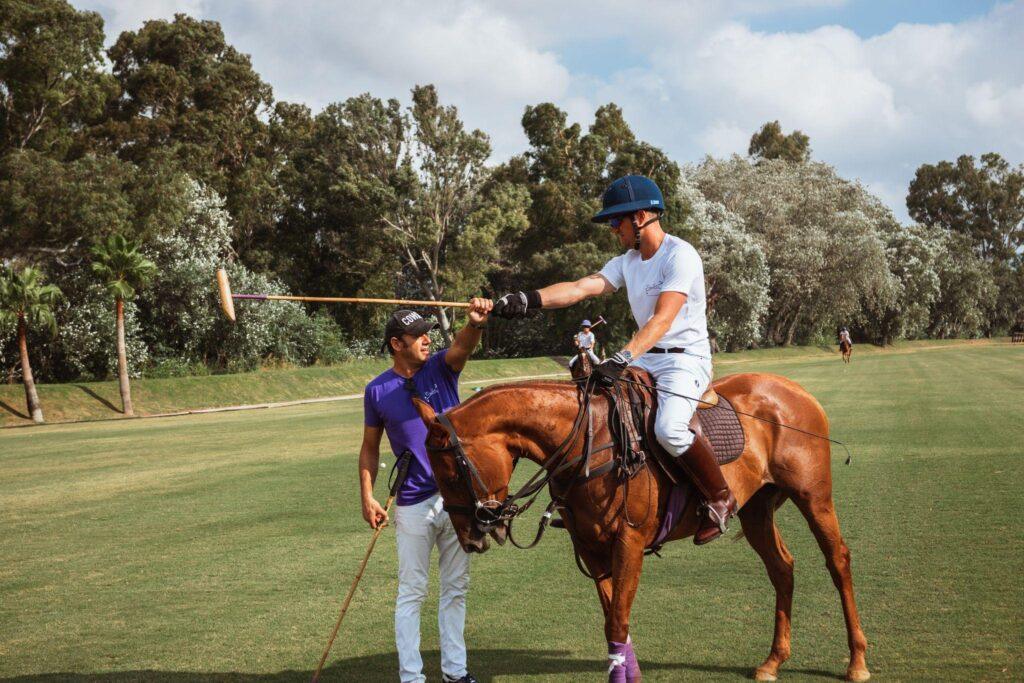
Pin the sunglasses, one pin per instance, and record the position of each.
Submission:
(615, 221)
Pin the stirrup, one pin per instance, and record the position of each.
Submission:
(721, 521)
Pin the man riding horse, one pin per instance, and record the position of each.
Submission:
(584, 341)
(664, 279)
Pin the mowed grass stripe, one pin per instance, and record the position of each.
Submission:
(199, 546)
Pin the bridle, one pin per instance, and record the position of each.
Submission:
(488, 512)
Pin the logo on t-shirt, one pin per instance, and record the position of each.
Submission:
(653, 289)
(430, 393)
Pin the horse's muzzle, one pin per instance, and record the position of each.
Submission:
(476, 545)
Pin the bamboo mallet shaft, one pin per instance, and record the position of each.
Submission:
(227, 302)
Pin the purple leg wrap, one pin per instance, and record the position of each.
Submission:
(617, 662)
(632, 666)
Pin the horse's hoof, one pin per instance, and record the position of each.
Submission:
(859, 675)
(765, 675)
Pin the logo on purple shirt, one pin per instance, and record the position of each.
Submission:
(387, 402)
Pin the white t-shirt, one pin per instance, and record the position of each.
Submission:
(586, 339)
(675, 267)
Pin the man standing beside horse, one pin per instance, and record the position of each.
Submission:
(664, 279)
(420, 521)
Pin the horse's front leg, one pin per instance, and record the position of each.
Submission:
(627, 563)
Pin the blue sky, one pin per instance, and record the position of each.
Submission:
(880, 87)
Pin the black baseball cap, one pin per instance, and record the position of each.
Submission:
(405, 322)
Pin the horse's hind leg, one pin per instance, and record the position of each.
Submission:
(821, 516)
(758, 519)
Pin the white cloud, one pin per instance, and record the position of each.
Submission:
(819, 79)
(722, 139)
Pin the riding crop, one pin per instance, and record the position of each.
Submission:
(227, 302)
(401, 469)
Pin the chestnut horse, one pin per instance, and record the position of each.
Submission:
(583, 365)
(847, 350)
(611, 523)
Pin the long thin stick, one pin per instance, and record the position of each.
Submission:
(402, 467)
(227, 298)
(350, 300)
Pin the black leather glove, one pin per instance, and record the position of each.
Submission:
(515, 305)
(610, 369)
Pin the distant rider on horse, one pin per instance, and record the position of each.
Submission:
(844, 336)
(664, 279)
(584, 341)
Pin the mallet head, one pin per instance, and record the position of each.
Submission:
(227, 303)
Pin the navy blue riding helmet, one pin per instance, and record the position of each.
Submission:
(628, 194)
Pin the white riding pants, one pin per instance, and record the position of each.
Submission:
(418, 528)
(593, 358)
(683, 374)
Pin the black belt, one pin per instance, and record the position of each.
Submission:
(674, 349)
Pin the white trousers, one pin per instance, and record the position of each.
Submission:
(418, 528)
(682, 374)
(593, 358)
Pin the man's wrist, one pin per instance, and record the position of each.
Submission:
(475, 326)
(533, 300)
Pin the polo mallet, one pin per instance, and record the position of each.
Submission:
(600, 319)
(227, 299)
(401, 469)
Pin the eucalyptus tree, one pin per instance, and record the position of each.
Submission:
(53, 88)
(382, 198)
(735, 270)
(771, 143)
(821, 235)
(983, 200)
(25, 301)
(119, 263)
(189, 97)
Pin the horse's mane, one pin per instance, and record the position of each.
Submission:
(523, 385)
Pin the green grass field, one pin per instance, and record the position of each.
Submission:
(217, 547)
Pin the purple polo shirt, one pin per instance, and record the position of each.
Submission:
(387, 402)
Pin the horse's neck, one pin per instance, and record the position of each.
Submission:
(539, 419)
(546, 420)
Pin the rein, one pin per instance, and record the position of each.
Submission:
(490, 512)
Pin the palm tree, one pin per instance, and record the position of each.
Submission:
(120, 264)
(24, 301)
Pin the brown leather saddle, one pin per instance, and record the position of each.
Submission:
(715, 418)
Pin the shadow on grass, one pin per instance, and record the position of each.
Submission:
(485, 665)
(13, 411)
(99, 398)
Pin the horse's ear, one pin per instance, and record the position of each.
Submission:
(426, 412)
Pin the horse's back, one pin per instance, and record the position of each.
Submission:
(779, 454)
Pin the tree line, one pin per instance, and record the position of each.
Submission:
(170, 146)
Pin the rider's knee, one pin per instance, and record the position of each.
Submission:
(674, 437)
